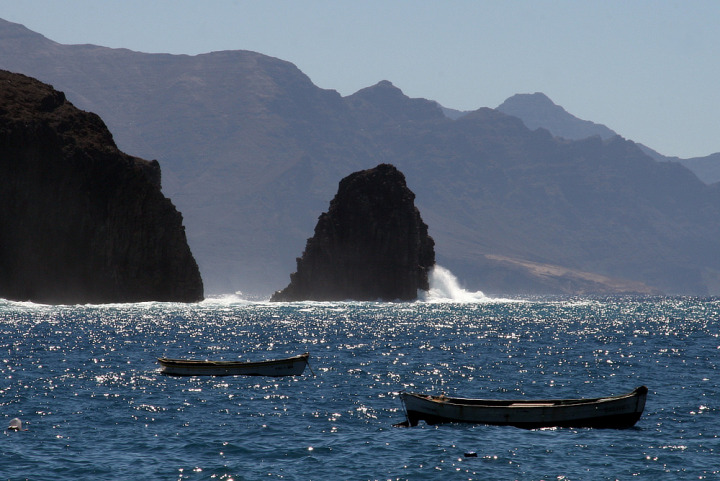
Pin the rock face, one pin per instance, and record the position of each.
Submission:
(370, 245)
(82, 222)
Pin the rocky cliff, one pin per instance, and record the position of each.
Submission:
(82, 222)
(371, 244)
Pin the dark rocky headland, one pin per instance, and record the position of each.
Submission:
(371, 244)
(82, 222)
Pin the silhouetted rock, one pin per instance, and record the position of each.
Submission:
(370, 245)
(81, 222)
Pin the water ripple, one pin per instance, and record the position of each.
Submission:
(86, 383)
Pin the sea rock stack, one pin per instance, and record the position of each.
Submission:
(371, 244)
(80, 221)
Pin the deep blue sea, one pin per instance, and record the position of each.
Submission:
(85, 382)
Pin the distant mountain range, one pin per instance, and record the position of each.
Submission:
(252, 152)
(538, 111)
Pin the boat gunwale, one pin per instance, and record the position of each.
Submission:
(619, 412)
(165, 361)
(523, 403)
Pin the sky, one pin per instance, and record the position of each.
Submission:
(649, 70)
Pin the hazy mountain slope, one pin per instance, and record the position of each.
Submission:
(593, 205)
(538, 111)
(252, 152)
(706, 168)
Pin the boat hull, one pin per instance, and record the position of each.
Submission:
(616, 412)
(292, 366)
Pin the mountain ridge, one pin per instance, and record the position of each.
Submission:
(251, 150)
(538, 111)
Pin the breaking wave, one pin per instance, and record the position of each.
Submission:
(227, 299)
(444, 287)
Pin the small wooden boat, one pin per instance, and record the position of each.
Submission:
(617, 412)
(291, 366)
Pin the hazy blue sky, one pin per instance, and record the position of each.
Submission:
(649, 70)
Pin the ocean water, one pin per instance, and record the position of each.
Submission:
(85, 382)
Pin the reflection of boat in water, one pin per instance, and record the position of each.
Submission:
(617, 412)
(291, 366)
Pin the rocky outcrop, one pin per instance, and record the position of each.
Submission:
(82, 222)
(370, 245)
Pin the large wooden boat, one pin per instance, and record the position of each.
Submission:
(291, 366)
(617, 412)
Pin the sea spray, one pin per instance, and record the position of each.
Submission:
(444, 287)
(228, 299)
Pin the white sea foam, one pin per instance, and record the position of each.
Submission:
(227, 300)
(444, 287)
